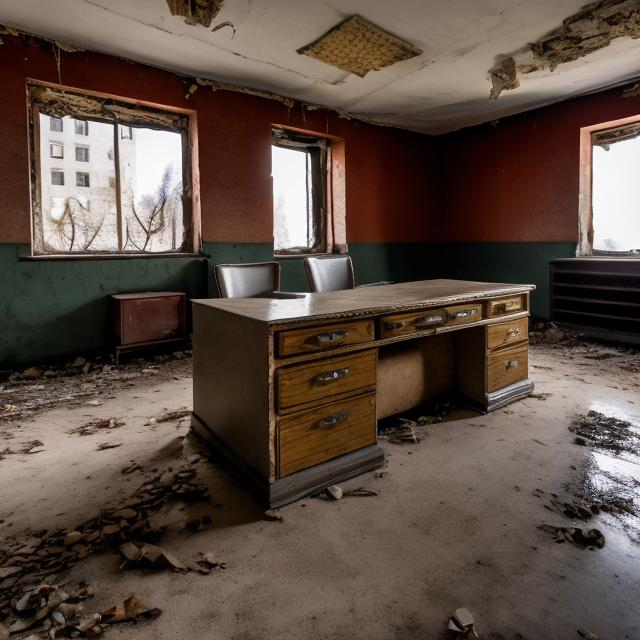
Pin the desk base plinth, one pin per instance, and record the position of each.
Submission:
(502, 397)
(299, 484)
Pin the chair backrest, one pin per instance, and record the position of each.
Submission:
(329, 273)
(247, 280)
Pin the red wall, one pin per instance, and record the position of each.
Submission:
(392, 175)
(517, 180)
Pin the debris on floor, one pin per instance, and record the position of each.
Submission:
(591, 539)
(273, 515)
(581, 509)
(462, 622)
(334, 491)
(128, 527)
(91, 427)
(605, 432)
(359, 492)
(32, 390)
(168, 416)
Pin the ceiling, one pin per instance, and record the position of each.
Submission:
(443, 89)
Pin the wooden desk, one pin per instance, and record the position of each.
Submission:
(290, 390)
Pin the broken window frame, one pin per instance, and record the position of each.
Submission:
(57, 101)
(599, 134)
(318, 152)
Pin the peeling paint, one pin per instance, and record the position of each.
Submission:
(632, 92)
(592, 28)
(215, 86)
(196, 12)
(504, 76)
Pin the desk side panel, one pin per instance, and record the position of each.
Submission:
(231, 384)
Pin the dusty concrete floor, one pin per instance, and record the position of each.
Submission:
(454, 524)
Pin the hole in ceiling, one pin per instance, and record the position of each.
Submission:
(195, 12)
(358, 46)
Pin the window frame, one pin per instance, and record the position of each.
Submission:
(121, 111)
(84, 147)
(585, 201)
(318, 150)
(56, 144)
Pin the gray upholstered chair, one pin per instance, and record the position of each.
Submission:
(329, 273)
(249, 280)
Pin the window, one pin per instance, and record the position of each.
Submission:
(55, 124)
(82, 179)
(128, 198)
(610, 190)
(56, 151)
(82, 128)
(82, 154)
(299, 173)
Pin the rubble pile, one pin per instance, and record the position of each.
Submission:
(605, 432)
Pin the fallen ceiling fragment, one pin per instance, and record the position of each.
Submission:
(358, 46)
(196, 12)
(592, 28)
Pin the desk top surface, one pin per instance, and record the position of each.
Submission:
(363, 300)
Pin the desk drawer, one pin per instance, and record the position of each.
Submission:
(499, 307)
(311, 437)
(506, 366)
(401, 324)
(312, 339)
(325, 380)
(463, 313)
(504, 333)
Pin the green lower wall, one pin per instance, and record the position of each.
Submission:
(58, 307)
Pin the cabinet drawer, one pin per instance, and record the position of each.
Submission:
(400, 324)
(507, 332)
(499, 307)
(506, 366)
(463, 313)
(311, 437)
(321, 381)
(312, 339)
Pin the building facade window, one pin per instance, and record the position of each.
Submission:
(140, 190)
(82, 128)
(300, 183)
(82, 154)
(56, 150)
(609, 189)
(55, 124)
(82, 179)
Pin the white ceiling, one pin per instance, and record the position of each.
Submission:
(444, 89)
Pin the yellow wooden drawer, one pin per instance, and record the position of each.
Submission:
(400, 324)
(311, 339)
(499, 307)
(463, 313)
(310, 437)
(322, 381)
(506, 366)
(504, 333)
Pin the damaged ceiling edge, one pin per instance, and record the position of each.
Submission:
(196, 12)
(214, 85)
(592, 28)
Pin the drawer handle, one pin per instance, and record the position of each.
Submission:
(428, 321)
(513, 332)
(509, 305)
(465, 313)
(393, 325)
(331, 421)
(512, 364)
(332, 376)
(330, 338)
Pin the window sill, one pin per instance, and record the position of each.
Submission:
(109, 256)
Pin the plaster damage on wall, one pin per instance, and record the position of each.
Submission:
(592, 28)
(196, 12)
(632, 92)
